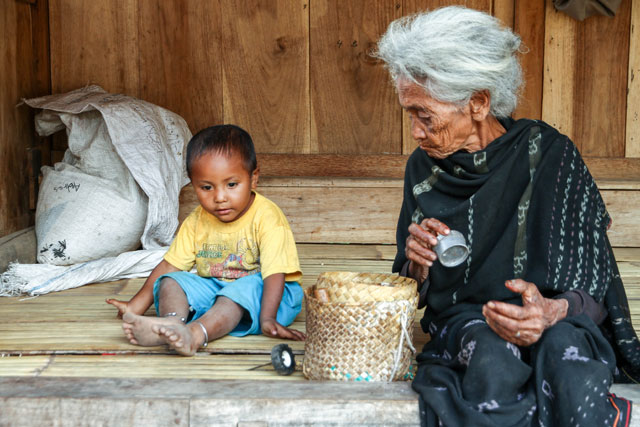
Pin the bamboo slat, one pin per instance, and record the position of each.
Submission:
(19, 366)
(200, 366)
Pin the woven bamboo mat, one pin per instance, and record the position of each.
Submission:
(75, 333)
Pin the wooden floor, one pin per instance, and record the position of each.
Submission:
(74, 334)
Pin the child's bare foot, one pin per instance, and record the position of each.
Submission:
(138, 329)
(180, 337)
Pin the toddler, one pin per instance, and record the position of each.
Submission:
(242, 246)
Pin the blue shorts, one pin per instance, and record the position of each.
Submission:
(246, 291)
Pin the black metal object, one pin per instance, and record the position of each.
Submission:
(283, 360)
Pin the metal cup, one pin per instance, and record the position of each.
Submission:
(451, 249)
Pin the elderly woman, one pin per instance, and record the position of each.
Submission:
(534, 326)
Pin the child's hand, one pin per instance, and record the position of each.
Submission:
(273, 329)
(122, 306)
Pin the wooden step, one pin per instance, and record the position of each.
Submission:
(199, 402)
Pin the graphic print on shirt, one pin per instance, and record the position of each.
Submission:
(228, 261)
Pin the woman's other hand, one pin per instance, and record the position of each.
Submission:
(418, 248)
(524, 325)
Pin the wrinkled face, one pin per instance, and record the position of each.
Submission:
(223, 186)
(439, 128)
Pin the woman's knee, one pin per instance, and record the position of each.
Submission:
(563, 338)
(482, 344)
(485, 355)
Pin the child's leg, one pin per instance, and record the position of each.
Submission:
(172, 308)
(172, 301)
(218, 321)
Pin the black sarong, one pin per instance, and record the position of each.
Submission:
(529, 209)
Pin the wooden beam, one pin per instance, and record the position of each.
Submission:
(529, 24)
(180, 51)
(623, 206)
(601, 83)
(21, 74)
(608, 168)
(504, 10)
(95, 43)
(353, 105)
(560, 64)
(333, 165)
(392, 166)
(324, 210)
(632, 143)
(347, 213)
(265, 65)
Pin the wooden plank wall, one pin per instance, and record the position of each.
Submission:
(24, 73)
(298, 76)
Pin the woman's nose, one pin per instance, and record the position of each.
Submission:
(417, 130)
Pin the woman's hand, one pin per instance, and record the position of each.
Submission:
(524, 325)
(273, 329)
(418, 248)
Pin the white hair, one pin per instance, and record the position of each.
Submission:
(454, 52)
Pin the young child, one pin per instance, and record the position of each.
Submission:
(248, 270)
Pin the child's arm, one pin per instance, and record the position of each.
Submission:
(143, 299)
(271, 298)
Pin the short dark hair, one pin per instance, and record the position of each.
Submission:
(224, 139)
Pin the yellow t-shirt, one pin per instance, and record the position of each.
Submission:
(260, 241)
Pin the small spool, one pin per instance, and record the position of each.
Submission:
(282, 359)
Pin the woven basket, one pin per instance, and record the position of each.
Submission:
(359, 327)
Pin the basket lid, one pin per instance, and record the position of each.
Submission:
(354, 287)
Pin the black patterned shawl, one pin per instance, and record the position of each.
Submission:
(529, 209)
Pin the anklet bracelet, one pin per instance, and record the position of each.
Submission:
(204, 331)
(174, 314)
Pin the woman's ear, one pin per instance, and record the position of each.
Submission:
(480, 105)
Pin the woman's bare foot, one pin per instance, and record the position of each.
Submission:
(184, 339)
(138, 329)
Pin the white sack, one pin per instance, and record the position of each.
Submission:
(150, 143)
(89, 205)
